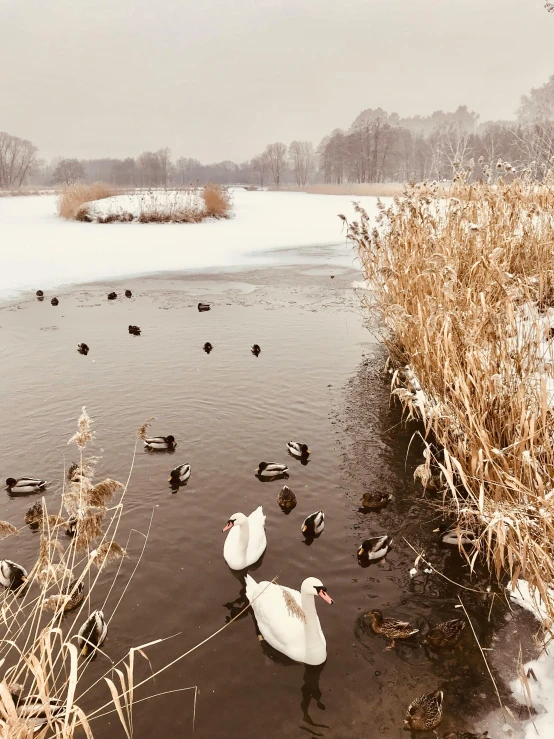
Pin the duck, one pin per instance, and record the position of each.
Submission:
(313, 524)
(70, 597)
(92, 634)
(446, 634)
(202, 307)
(160, 442)
(180, 474)
(246, 540)
(207, 347)
(425, 712)
(375, 548)
(135, 330)
(39, 294)
(375, 500)
(83, 349)
(298, 450)
(255, 349)
(25, 484)
(35, 707)
(390, 628)
(112, 296)
(286, 498)
(453, 538)
(12, 575)
(71, 524)
(287, 618)
(128, 294)
(271, 469)
(54, 301)
(35, 514)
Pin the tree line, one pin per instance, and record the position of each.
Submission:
(378, 147)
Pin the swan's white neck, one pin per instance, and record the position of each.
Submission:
(244, 535)
(312, 628)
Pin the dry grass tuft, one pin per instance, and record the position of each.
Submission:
(463, 285)
(106, 553)
(6, 529)
(217, 201)
(102, 492)
(142, 431)
(292, 606)
(74, 196)
(84, 434)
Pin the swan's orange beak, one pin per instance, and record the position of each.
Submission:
(229, 526)
(326, 597)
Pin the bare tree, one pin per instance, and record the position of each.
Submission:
(18, 160)
(68, 171)
(302, 158)
(165, 165)
(277, 157)
(260, 165)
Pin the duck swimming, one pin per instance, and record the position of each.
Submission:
(453, 538)
(128, 294)
(54, 301)
(298, 450)
(390, 628)
(313, 524)
(135, 330)
(255, 349)
(246, 540)
(92, 634)
(271, 469)
(39, 294)
(202, 307)
(375, 500)
(425, 712)
(12, 575)
(112, 296)
(70, 597)
(207, 347)
(160, 442)
(375, 548)
(446, 634)
(286, 498)
(83, 349)
(180, 474)
(288, 620)
(25, 485)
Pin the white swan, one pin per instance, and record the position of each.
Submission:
(288, 619)
(245, 542)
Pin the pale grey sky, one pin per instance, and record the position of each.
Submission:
(219, 79)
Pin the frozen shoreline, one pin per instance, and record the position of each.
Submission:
(39, 250)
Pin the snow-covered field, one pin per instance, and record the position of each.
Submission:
(147, 202)
(40, 250)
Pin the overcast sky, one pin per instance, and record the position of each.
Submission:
(219, 79)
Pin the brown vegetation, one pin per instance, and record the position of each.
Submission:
(217, 201)
(77, 194)
(462, 285)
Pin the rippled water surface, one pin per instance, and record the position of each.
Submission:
(318, 379)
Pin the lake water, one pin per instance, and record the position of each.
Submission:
(318, 379)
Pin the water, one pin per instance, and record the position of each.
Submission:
(319, 379)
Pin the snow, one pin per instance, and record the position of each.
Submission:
(149, 201)
(39, 250)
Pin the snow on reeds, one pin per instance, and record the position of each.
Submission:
(75, 195)
(465, 286)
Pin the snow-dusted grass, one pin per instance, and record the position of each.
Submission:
(40, 250)
(146, 206)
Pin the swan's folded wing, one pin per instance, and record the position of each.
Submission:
(280, 617)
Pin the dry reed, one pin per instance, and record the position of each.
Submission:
(73, 197)
(464, 286)
(217, 201)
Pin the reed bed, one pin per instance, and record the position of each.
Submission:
(74, 196)
(465, 288)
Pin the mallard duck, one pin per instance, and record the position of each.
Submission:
(375, 500)
(83, 349)
(92, 633)
(255, 349)
(446, 634)
(298, 450)
(39, 294)
(34, 706)
(71, 524)
(465, 735)
(286, 498)
(425, 712)
(180, 474)
(452, 538)
(70, 597)
(34, 514)
(313, 524)
(25, 484)
(202, 307)
(271, 469)
(12, 575)
(375, 548)
(390, 628)
(160, 442)
(54, 301)
(128, 294)
(112, 296)
(135, 330)
(207, 347)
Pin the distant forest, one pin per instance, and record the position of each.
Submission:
(378, 147)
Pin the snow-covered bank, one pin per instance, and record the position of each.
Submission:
(40, 250)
